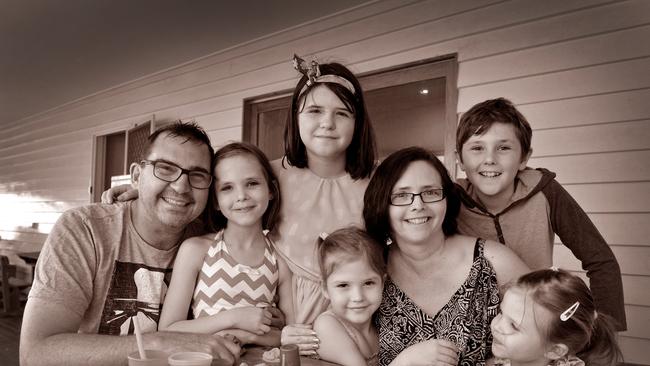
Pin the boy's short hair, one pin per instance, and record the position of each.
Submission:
(349, 244)
(478, 119)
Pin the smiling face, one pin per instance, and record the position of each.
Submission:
(354, 289)
(326, 125)
(418, 221)
(242, 190)
(164, 206)
(491, 161)
(517, 330)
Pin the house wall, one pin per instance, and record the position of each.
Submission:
(573, 67)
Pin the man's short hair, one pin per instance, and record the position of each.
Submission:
(190, 131)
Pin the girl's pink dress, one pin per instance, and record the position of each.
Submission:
(312, 205)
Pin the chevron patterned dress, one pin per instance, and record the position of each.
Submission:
(224, 284)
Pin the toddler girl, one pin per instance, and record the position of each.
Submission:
(232, 277)
(353, 270)
(548, 317)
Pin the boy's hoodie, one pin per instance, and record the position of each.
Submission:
(539, 209)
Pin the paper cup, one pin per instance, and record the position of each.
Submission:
(154, 358)
(190, 359)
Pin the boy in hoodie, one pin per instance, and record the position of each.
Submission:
(523, 208)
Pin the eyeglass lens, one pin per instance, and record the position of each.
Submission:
(170, 173)
(407, 198)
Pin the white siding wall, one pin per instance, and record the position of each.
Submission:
(574, 67)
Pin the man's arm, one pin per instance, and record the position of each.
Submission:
(49, 337)
(62, 293)
(581, 236)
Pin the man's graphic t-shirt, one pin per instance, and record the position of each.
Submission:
(135, 290)
(96, 264)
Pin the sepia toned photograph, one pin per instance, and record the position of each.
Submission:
(322, 183)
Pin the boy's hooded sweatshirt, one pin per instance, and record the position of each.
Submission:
(539, 209)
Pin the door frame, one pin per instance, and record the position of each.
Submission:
(438, 67)
(253, 107)
(98, 162)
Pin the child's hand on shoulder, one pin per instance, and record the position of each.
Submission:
(253, 319)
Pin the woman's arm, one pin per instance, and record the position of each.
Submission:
(507, 265)
(336, 344)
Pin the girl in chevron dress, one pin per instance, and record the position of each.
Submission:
(232, 277)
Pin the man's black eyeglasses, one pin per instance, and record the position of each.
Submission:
(170, 172)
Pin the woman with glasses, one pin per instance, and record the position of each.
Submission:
(442, 289)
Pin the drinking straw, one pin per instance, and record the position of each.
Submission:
(138, 338)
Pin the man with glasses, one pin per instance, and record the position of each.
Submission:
(104, 267)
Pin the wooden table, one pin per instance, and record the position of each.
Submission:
(253, 356)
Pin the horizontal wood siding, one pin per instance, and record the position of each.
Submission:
(576, 68)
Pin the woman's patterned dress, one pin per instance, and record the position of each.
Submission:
(464, 320)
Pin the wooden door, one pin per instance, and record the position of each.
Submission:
(265, 127)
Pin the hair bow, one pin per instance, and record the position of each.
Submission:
(309, 69)
(312, 71)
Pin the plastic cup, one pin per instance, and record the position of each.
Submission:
(190, 359)
(154, 358)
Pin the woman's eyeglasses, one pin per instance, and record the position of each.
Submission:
(407, 198)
